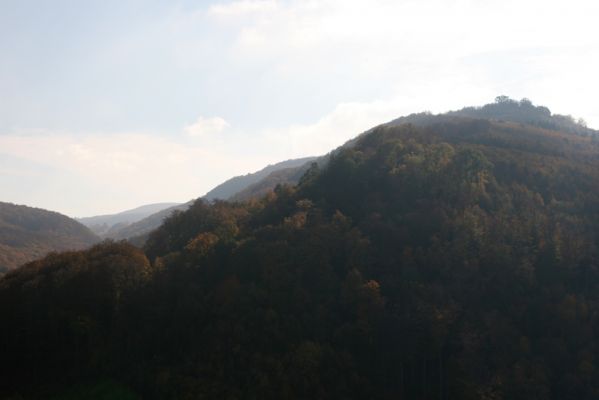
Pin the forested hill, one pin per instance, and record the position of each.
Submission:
(28, 233)
(453, 260)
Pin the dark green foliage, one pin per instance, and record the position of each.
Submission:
(455, 260)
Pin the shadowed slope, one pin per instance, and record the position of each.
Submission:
(28, 233)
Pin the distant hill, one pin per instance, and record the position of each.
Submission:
(145, 225)
(108, 225)
(28, 233)
(288, 176)
(237, 184)
(249, 185)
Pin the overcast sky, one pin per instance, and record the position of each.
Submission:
(107, 105)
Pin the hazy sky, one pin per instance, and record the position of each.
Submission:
(107, 105)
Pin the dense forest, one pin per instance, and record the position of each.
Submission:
(28, 233)
(451, 259)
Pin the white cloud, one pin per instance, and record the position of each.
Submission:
(206, 126)
(466, 25)
(542, 50)
(241, 8)
(365, 51)
(348, 120)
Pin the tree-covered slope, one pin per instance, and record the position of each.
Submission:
(28, 233)
(452, 260)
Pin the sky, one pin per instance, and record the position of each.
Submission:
(108, 105)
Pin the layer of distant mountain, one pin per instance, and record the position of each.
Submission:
(145, 225)
(109, 225)
(238, 184)
(28, 233)
(237, 188)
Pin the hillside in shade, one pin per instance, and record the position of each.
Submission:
(455, 258)
(28, 233)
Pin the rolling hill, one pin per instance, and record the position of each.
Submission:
(28, 233)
